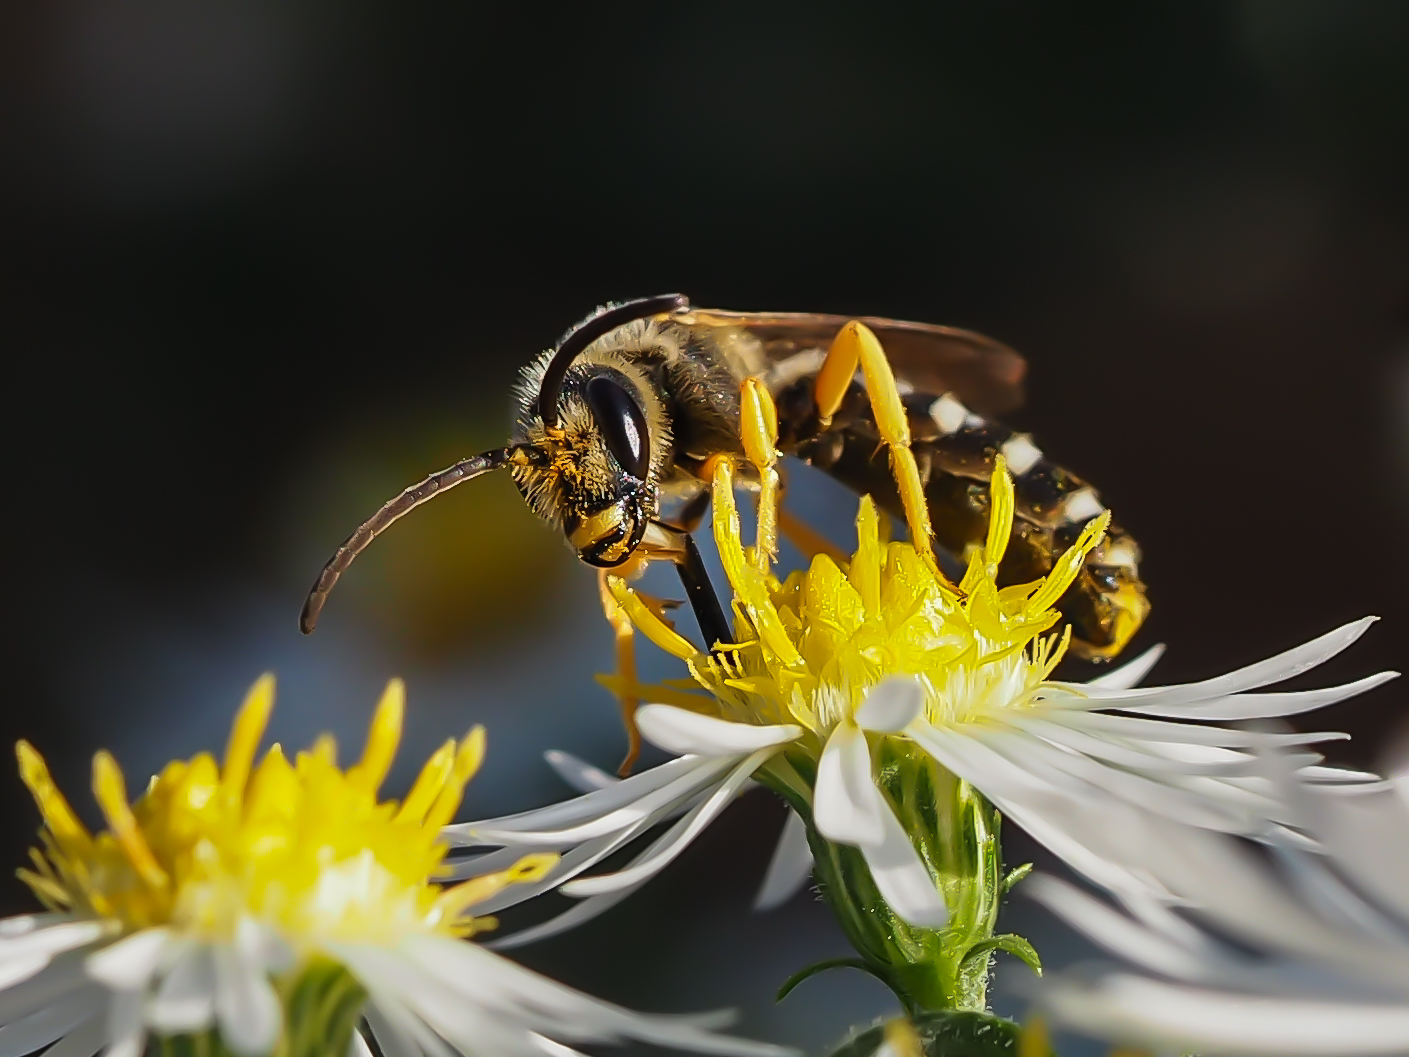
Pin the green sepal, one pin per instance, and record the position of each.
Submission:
(1016, 874)
(822, 966)
(947, 1033)
(1009, 943)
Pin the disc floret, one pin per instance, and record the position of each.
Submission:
(303, 847)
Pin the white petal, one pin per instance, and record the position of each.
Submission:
(846, 805)
(1273, 670)
(703, 771)
(578, 774)
(1127, 754)
(185, 1001)
(63, 976)
(1257, 706)
(1188, 1018)
(128, 964)
(1144, 729)
(586, 910)
(892, 704)
(390, 1039)
(901, 877)
(465, 991)
(45, 942)
(1369, 837)
(357, 1045)
(1143, 791)
(126, 1036)
(1052, 826)
(589, 806)
(790, 866)
(17, 970)
(396, 1017)
(43, 1025)
(1114, 931)
(24, 924)
(1129, 674)
(573, 862)
(246, 1006)
(551, 1048)
(989, 772)
(569, 919)
(83, 1041)
(679, 731)
(679, 837)
(261, 947)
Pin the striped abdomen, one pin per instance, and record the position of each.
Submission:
(955, 451)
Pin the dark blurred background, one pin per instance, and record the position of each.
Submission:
(264, 264)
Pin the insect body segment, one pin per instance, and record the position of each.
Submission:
(638, 402)
(955, 451)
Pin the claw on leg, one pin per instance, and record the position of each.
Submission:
(625, 670)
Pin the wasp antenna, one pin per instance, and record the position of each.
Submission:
(588, 331)
(462, 471)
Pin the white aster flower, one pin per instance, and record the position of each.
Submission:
(253, 908)
(1295, 952)
(854, 680)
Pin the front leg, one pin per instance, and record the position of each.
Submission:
(665, 541)
(625, 636)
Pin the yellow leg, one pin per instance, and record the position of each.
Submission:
(855, 345)
(625, 670)
(759, 421)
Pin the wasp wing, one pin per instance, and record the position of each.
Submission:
(984, 374)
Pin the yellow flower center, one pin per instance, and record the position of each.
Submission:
(813, 645)
(302, 846)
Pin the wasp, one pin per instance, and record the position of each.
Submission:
(626, 415)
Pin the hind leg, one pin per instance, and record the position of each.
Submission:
(624, 633)
(855, 345)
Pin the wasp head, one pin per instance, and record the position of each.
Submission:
(603, 455)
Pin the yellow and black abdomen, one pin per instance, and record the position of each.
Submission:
(955, 451)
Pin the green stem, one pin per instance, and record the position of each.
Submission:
(955, 831)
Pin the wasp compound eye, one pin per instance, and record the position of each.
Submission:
(623, 425)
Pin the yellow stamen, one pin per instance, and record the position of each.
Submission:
(68, 831)
(428, 784)
(455, 900)
(249, 726)
(467, 760)
(1066, 568)
(382, 739)
(749, 584)
(649, 624)
(1001, 506)
(111, 793)
(305, 847)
